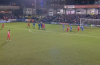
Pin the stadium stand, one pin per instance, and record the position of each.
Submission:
(7, 15)
(71, 18)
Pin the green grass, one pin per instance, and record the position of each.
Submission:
(49, 47)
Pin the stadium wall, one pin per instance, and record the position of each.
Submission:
(10, 7)
(4, 21)
(28, 11)
(92, 11)
(80, 11)
(76, 9)
(16, 20)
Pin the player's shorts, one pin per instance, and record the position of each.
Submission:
(78, 29)
(67, 29)
(43, 26)
(8, 35)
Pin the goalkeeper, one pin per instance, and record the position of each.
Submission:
(90, 25)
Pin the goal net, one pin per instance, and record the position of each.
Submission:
(89, 22)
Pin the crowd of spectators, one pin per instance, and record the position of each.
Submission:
(64, 18)
(48, 18)
(7, 16)
(71, 18)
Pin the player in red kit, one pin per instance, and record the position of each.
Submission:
(67, 29)
(28, 25)
(3, 25)
(43, 26)
(8, 35)
(78, 28)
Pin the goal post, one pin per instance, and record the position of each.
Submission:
(89, 22)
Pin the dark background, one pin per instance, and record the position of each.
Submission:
(28, 2)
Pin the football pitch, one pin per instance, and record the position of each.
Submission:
(53, 46)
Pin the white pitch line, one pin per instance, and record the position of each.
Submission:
(67, 34)
(40, 33)
(32, 32)
(53, 32)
